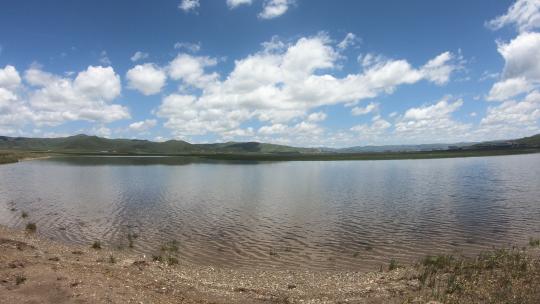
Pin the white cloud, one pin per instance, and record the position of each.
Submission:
(192, 47)
(371, 107)
(235, 3)
(190, 69)
(9, 78)
(301, 129)
(438, 69)
(104, 58)
(101, 131)
(349, 40)
(273, 129)
(371, 132)
(508, 88)
(316, 116)
(189, 5)
(274, 8)
(87, 97)
(6, 98)
(522, 57)
(515, 115)
(432, 123)
(148, 78)
(48, 99)
(369, 60)
(277, 86)
(522, 66)
(524, 14)
(144, 125)
(139, 56)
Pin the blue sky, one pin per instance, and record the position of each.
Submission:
(298, 72)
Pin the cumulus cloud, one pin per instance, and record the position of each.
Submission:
(190, 69)
(512, 118)
(148, 78)
(142, 126)
(274, 8)
(48, 99)
(302, 129)
(316, 116)
(349, 40)
(189, 46)
(139, 56)
(372, 131)
(235, 3)
(508, 88)
(189, 5)
(101, 131)
(432, 123)
(104, 58)
(521, 70)
(522, 57)
(371, 107)
(9, 77)
(87, 97)
(524, 14)
(438, 69)
(279, 84)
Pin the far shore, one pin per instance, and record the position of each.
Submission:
(38, 270)
(12, 156)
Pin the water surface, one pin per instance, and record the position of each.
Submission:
(327, 215)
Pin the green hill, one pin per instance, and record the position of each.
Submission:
(532, 141)
(94, 144)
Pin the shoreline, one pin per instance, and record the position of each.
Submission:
(59, 273)
(13, 156)
(33, 268)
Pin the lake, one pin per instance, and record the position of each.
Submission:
(328, 215)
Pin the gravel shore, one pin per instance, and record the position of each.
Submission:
(37, 270)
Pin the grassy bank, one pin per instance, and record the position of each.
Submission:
(14, 156)
(368, 156)
(7, 157)
(499, 276)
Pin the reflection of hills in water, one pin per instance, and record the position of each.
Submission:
(141, 160)
(286, 215)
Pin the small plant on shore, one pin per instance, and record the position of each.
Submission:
(393, 264)
(112, 259)
(19, 279)
(24, 214)
(171, 246)
(172, 260)
(534, 242)
(157, 258)
(96, 245)
(31, 227)
(131, 239)
(499, 276)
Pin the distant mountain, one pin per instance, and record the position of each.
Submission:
(94, 144)
(402, 148)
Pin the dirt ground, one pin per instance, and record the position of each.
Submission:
(37, 270)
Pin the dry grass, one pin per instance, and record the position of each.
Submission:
(500, 276)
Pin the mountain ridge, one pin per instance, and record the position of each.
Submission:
(94, 144)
